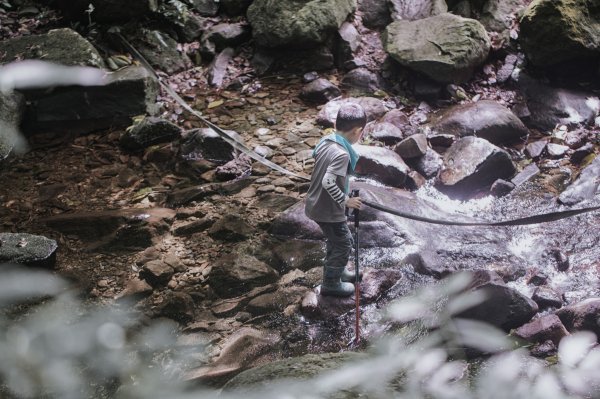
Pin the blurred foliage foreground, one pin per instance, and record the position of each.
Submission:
(54, 345)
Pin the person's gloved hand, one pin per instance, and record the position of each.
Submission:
(354, 203)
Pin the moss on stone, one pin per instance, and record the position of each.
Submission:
(297, 24)
(444, 47)
(64, 46)
(554, 31)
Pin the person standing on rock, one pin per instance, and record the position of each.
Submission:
(327, 197)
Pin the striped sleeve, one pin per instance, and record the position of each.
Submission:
(329, 184)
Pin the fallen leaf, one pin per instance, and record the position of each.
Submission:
(141, 194)
(214, 104)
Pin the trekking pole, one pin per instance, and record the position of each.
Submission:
(356, 274)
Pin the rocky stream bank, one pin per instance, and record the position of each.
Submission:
(476, 112)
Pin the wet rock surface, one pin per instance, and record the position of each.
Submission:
(383, 164)
(581, 316)
(473, 164)
(543, 329)
(504, 307)
(550, 106)
(486, 119)
(28, 249)
(585, 187)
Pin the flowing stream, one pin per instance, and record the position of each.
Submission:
(531, 249)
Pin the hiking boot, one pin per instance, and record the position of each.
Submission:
(333, 284)
(341, 289)
(349, 276)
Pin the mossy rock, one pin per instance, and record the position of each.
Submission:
(12, 106)
(445, 47)
(298, 368)
(555, 31)
(63, 46)
(295, 23)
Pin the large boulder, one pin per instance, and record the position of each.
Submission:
(548, 327)
(234, 7)
(375, 13)
(63, 46)
(299, 24)
(320, 91)
(207, 144)
(555, 31)
(414, 146)
(246, 348)
(223, 35)
(107, 10)
(115, 230)
(446, 48)
(382, 164)
(486, 119)
(347, 43)
(230, 227)
(128, 92)
(385, 132)
(27, 249)
(235, 274)
(503, 307)
(549, 106)
(471, 166)
(149, 131)
(584, 315)
(12, 107)
(498, 15)
(585, 187)
(428, 165)
(412, 10)
(160, 49)
(373, 107)
(206, 8)
(300, 368)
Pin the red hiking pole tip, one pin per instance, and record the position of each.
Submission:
(356, 274)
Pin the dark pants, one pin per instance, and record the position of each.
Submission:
(339, 246)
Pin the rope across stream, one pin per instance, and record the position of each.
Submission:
(541, 218)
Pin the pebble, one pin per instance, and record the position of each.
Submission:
(248, 192)
(280, 190)
(288, 151)
(269, 188)
(284, 182)
(275, 143)
(262, 131)
(556, 150)
(263, 151)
